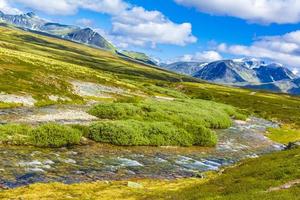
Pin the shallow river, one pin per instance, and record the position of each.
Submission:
(25, 165)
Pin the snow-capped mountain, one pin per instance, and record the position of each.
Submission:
(32, 22)
(250, 73)
(188, 68)
(28, 20)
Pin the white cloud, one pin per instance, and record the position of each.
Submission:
(68, 7)
(204, 56)
(260, 11)
(6, 8)
(141, 27)
(85, 22)
(131, 25)
(284, 49)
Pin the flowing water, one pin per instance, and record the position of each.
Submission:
(25, 165)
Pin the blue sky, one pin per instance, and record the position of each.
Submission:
(189, 30)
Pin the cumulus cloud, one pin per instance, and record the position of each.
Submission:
(260, 11)
(284, 49)
(6, 8)
(131, 25)
(204, 56)
(84, 22)
(67, 7)
(140, 27)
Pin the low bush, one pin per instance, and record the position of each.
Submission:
(82, 128)
(54, 135)
(47, 135)
(134, 133)
(15, 134)
(178, 122)
(200, 112)
(202, 136)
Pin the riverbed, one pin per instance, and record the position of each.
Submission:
(26, 165)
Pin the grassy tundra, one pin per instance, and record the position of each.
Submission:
(40, 66)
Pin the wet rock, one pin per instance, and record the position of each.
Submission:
(35, 170)
(134, 185)
(3, 187)
(293, 145)
(199, 175)
(125, 162)
(48, 162)
(79, 172)
(30, 164)
(69, 161)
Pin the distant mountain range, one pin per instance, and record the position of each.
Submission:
(69, 32)
(248, 73)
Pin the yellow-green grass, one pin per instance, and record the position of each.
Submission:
(41, 66)
(251, 179)
(4, 105)
(284, 135)
(282, 108)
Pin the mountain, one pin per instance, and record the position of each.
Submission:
(286, 86)
(188, 68)
(248, 73)
(137, 56)
(29, 20)
(74, 33)
(88, 36)
(237, 72)
(58, 29)
(273, 72)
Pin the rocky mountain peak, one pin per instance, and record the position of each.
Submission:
(31, 14)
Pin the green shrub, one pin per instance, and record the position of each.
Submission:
(114, 110)
(82, 128)
(132, 132)
(203, 136)
(132, 99)
(54, 135)
(14, 134)
(189, 119)
(200, 112)
(118, 133)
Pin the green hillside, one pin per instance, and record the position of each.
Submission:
(126, 97)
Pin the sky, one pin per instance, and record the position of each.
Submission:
(184, 30)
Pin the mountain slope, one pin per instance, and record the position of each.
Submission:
(28, 20)
(138, 56)
(74, 33)
(226, 71)
(88, 36)
(188, 68)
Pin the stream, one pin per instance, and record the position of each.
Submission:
(26, 165)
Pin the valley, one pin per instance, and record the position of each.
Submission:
(64, 104)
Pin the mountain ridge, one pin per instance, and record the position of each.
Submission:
(247, 72)
(70, 32)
